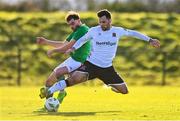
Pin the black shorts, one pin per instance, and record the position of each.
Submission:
(107, 75)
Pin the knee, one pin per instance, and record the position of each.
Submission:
(60, 71)
(80, 76)
(120, 89)
(72, 79)
(49, 83)
(51, 80)
(124, 91)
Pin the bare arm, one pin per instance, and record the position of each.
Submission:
(44, 41)
(61, 49)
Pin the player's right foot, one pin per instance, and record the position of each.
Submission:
(42, 93)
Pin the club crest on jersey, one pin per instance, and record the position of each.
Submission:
(114, 34)
(99, 34)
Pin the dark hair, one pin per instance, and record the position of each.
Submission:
(72, 15)
(104, 12)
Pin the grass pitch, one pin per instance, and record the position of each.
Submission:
(93, 103)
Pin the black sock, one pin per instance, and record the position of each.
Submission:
(67, 83)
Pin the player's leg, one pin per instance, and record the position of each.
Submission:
(62, 93)
(111, 78)
(75, 78)
(119, 88)
(51, 80)
(66, 67)
(60, 70)
(79, 76)
(82, 74)
(43, 90)
(62, 84)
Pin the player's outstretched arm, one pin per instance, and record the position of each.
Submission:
(44, 41)
(61, 49)
(154, 42)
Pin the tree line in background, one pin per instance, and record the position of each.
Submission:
(136, 61)
(94, 5)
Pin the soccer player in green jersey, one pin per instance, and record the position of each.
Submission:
(75, 60)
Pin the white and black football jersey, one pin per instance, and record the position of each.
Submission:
(105, 43)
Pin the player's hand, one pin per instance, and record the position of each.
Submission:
(155, 43)
(71, 50)
(49, 53)
(41, 40)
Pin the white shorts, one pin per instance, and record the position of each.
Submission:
(70, 64)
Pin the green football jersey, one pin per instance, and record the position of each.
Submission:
(82, 53)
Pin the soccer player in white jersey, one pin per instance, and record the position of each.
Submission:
(104, 41)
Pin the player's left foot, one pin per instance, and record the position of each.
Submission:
(61, 96)
(42, 93)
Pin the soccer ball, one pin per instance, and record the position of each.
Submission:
(52, 104)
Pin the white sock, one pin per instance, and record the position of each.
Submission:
(58, 86)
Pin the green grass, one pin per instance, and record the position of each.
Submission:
(94, 103)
